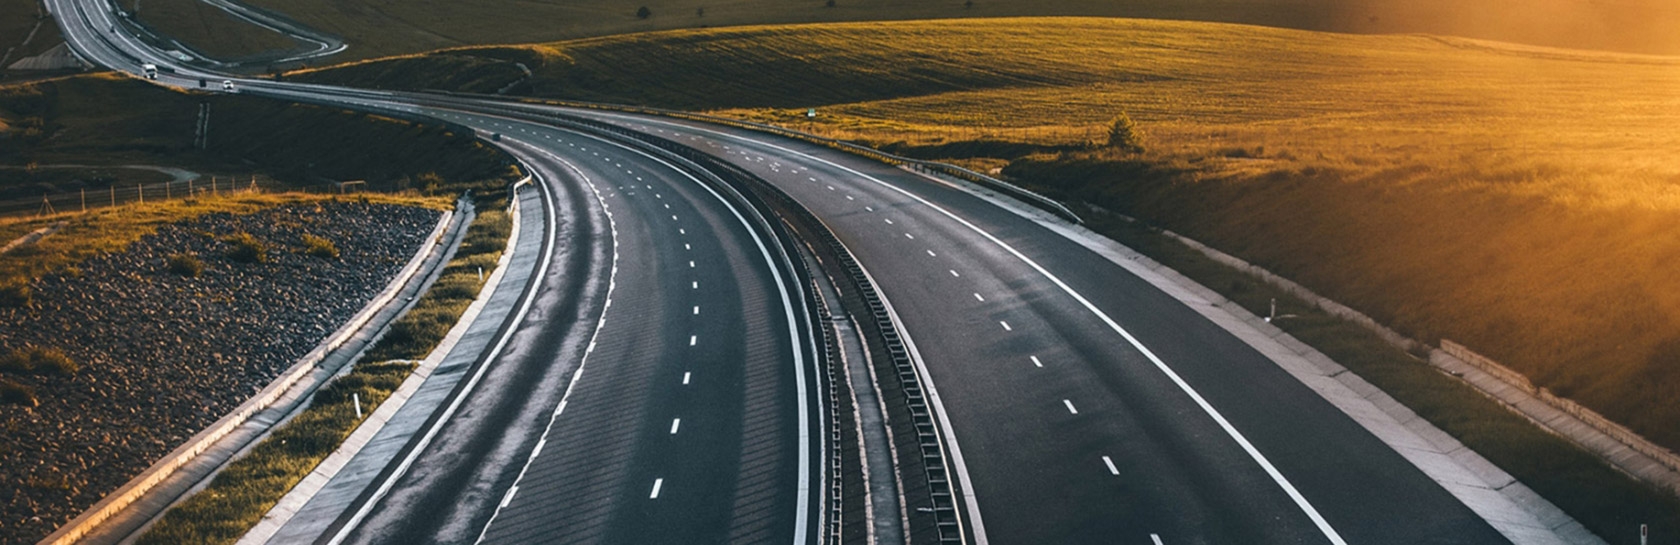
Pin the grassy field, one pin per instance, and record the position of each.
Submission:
(1517, 199)
(209, 30)
(376, 28)
(110, 120)
(17, 18)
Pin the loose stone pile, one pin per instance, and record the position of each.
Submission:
(163, 355)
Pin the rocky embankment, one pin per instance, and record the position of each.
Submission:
(162, 355)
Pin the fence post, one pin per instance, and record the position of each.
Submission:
(141, 189)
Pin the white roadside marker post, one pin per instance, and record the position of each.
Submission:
(357, 397)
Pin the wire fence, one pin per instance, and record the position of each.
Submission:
(88, 200)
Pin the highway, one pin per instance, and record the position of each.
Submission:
(1080, 403)
(674, 387)
(1070, 431)
(652, 393)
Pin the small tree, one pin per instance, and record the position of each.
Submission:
(830, 3)
(1123, 134)
(643, 12)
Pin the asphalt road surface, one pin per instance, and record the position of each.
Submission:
(1085, 405)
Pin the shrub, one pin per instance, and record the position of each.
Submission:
(1123, 134)
(39, 361)
(246, 248)
(185, 265)
(14, 293)
(16, 394)
(643, 12)
(319, 247)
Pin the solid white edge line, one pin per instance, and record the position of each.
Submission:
(803, 503)
(496, 352)
(612, 283)
(1242, 441)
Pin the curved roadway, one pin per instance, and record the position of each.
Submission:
(1085, 404)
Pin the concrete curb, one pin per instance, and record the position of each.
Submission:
(294, 500)
(140, 485)
(1513, 509)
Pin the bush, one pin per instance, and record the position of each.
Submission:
(1123, 134)
(14, 293)
(39, 361)
(246, 248)
(643, 12)
(16, 394)
(319, 247)
(185, 265)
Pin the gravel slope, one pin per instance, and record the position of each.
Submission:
(164, 355)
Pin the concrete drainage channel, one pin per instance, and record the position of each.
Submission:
(123, 513)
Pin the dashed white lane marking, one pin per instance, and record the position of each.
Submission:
(1070, 406)
(694, 285)
(658, 196)
(682, 231)
(685, 378)
(978, 297)
(1114, 470)
(849, 198)
(1005, 325)
(869, 208)
(931, 254)
(888, 220)
(687, 247)
(954, 273)
(831, 188)
(696, 310)
(657, 484)
(677, 422)
(1153, 537)
(668, 207)
(673, 218)
(693, 339)
(910, 236)
(1036, 363)
(811, 178)
(691, 264)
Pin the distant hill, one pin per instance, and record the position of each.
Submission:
(381, 27)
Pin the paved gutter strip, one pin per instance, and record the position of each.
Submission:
(1513, 509)
(313, 507)
(125, 511)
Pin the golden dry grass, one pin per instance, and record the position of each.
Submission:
(375, 28)
(112, 229)
(1519, 199)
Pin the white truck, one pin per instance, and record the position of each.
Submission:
(149, 70)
